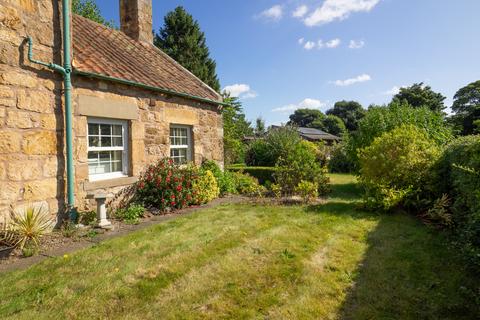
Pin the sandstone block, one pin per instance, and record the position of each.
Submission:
(51, 167)
(21, 120)
(24, 170)
(10, 141)
(7, 103)
(80, 150)
(28, 5)
(80, 126)
(9, 192)
(138, 151)
(40, 143)
(81, 172)
(10, 18)
(181, 116)
(6, 92)
(3, 171)
(40, 190)
(48, 121)
(18, 79)
(37, 101)
(138, 130)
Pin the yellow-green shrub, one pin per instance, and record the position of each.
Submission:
(205, 187)
(307, 190)
(394, 166)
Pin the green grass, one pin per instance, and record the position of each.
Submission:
(245, 261)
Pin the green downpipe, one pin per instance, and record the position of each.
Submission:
(66, 72)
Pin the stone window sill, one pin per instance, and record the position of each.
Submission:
(111, 183)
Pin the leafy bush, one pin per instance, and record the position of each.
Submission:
(26, 228)
(225, 180)
(87, 218)
(248, 185)
(394, 166)
(457, 174)
(307, 190)
(380, 120)
(276, 190)
(340, 162)
(277, 143)
(205, 187)
(300, 164)
(166, 186)
(263, 174)
(132, 214)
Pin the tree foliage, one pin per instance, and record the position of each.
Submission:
(305, 117)
(420, 95)
(235, 128)
(334, 125)
(90, 10)
(466, 105)
(351, 112)
(182, 39)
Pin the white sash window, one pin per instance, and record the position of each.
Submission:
(180, 143)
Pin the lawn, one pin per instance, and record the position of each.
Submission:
(243, 261)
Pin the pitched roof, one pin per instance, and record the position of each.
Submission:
(316, 134)
(108, 52)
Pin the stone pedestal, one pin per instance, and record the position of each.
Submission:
(102, 221)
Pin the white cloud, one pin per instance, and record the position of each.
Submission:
(333, 43)
(349, 82)
(274, 13)
(242, 91)
(332, 10)
(309, 45)
(306, 103)
(300, 12)
(354, 44)
(301, 40)
(393, 91)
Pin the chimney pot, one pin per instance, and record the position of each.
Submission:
(136, 19)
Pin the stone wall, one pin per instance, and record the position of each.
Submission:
(32, 160)
(31, 135)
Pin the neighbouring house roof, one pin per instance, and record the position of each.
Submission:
(109, 52)
(316, 135)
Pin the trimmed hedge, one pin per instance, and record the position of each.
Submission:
(263, 174)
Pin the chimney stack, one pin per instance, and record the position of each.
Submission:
(136, 19)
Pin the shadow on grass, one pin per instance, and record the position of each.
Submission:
(409, 272)
(346, 191)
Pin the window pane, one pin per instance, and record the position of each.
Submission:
(106, 129)
(92, 157)
(93, 129)
(117, 130)
(93, 142)
(106, 141)
(117, 142)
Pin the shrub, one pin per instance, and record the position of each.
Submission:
(300, 164)
(457, 173)
(87, 218)
(224, 179)
(132, 214)
(277, 143)
(394, 166)
(263, 174)
(166, 186)
(26, 229)
(339, 161)
(307, 190)
(276, 190)
(248, 185)
(380, 120)
(205, 187)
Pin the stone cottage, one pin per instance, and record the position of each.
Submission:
(131, 105)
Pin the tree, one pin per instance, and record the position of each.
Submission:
(334, 125)
(182, 39)
(350, 112)
(466, 105)
(260, 128)
(90, 10)
(420, 95)
(305, 117)
(235, 128)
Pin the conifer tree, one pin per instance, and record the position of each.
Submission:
(182, 39)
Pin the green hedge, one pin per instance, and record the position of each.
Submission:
(263, 174)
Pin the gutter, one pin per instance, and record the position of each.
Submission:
(66, 72)
(148, 87)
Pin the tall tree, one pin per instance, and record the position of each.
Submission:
(466, 105)
(182, 39)
(235, 128)
(334, 125)
(420, 95)
(90, 10)
(305, 117)
(351, 112)
(260, 127)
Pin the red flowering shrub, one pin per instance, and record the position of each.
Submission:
(167, 186)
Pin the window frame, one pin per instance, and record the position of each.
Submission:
(125, 149)
(188, 146)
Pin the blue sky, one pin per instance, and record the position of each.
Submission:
(284, 54)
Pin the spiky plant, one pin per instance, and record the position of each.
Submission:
(28, 227)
